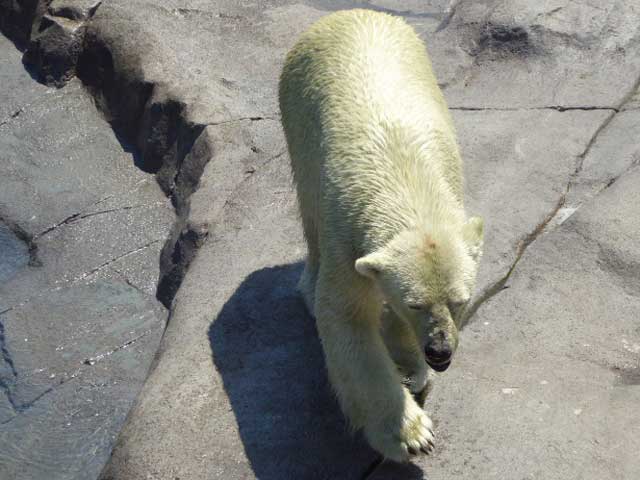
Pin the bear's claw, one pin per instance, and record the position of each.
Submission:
(414, 436)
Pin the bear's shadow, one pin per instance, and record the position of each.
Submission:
(266, 348)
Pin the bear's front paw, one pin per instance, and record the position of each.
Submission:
(399, 440)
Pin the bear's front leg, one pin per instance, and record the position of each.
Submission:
(405, 350)
(363, 375)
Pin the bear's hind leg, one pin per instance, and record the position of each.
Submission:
(307, 286)
(308, 280)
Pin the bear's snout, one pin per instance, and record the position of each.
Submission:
(438, 353)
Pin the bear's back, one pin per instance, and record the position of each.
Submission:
(361, 66)
(362, 111)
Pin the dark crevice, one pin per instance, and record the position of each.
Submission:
(75, 12)
(55, 42)
(19, 17)
(179, 252)
(152, 126)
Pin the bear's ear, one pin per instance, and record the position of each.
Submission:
(370, 265)
(473, 234)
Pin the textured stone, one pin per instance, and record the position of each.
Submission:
(53, 51)
(74, 9)
(18, 17)
(549, 370)
(81, 230)
(543, 97)
(14, 253)
(523, 150)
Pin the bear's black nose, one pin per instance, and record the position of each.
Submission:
(438, 352)
(438, 355)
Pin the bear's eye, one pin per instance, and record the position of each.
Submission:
(416, 306)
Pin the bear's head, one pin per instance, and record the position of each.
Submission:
(427, 277)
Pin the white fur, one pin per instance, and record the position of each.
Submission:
(379, 184)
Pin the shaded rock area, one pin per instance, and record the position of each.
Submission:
(14, 253)
(544, 97)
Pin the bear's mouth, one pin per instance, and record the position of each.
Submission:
(439, 366)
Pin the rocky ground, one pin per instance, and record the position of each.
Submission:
(547, 379)
(81, 230)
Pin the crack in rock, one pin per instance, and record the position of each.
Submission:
(613, 180)
(147, 119)
(155, 127)
(596, 134)
(20, 408)
(6, 384)
(75, 217)
(552, 219)
(240, 119)
(451, 11)
(249, 173)
(6, 356)
(524, 243)
(56, 40)
(11, 116)
(251, 170)
(72, 12)
(102, 356)
(8, 360)
(127, 280)
(25, 237)
(557, 108)
(115, 259)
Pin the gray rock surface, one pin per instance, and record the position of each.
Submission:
(551, 366)
(81, 229)
(544, 97)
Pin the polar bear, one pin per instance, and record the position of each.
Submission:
(392, 258)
